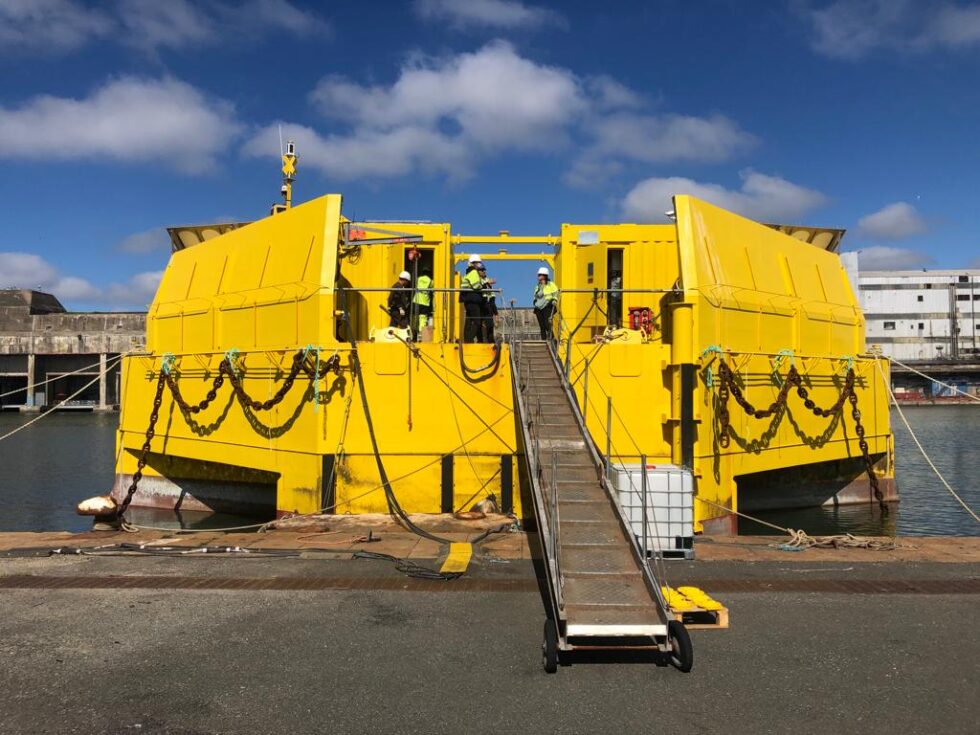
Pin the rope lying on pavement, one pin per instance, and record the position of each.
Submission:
(801, 541)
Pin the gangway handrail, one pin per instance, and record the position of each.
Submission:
(531, 416)
(653, 584)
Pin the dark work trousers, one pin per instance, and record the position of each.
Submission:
(486, 316)
(544, 320)
(615, 312)
(471, 327)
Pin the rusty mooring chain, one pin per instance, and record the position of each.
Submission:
(145, 451)
(168, 377)
(728, 386)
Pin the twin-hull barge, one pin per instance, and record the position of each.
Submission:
(712, 344)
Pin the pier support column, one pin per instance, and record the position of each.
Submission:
(29, 400)
(102, 381)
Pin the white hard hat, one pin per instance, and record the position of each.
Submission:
(474, 258)
(405, 275)
(542, 271)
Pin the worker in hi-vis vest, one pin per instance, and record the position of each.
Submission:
(400, 300)
(489, 313)
(545, 302)
(422, 301)
(471, 297)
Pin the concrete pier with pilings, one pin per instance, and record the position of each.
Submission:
(48, 353)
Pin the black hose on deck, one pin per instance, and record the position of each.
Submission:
(394, 507)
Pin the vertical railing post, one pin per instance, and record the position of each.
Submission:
(643, 492)
(585, 393)
(609, 439)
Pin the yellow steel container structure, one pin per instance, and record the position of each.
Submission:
(716, 285)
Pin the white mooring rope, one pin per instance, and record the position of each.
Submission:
(919, 444)
(937, 382)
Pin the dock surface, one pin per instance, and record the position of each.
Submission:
(820, 641)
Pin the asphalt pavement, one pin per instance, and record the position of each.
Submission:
(381, 661)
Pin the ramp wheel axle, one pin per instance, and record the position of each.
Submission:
(549, 647)
(681, 650)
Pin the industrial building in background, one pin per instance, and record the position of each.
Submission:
(48, 354)
(929, 319)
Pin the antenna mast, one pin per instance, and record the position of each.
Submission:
(289, 159)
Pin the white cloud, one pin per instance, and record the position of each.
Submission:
(127, 120)
(370, 153)
(448, 115)
(440, 116)
(893, 222)
(494, 14)
(50, 25)
(147, 241)
(762, 197)
(887, 258)
(656, 139)
(494, 96)
(151, 24)
(29, 270)
(851, 29)
(61, 26)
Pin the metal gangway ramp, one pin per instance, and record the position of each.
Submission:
(603, 592)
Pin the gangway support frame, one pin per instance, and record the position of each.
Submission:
(602, 591)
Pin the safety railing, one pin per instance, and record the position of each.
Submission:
(527, 385)
(447, 317)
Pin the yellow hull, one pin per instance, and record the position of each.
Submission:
(718, 287)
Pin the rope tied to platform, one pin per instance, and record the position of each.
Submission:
(801, 541)
(709, 378)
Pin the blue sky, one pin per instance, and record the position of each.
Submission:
(120, 118)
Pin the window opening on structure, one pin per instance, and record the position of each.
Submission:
(963, 279)
(962, 297)
(919, 297)
(921, 325)
(888, 325)
(614, 280)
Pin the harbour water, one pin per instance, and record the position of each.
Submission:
(66, 457)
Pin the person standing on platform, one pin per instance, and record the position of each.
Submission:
(400, 301)
(488, 314)
(422, 302)
(615, 300)
(471, 297)
(545, 303)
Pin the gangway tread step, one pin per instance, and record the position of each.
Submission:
(594, 533)
(570, 479)
(584, 491)
(645, 614)
(581, 560)
(583, 510)
(592, 590)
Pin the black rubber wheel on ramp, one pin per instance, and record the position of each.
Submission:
(681, 650)
(549, 647)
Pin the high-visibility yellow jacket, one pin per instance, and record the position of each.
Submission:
(423, 291)
(544, 294)
(472, 286)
